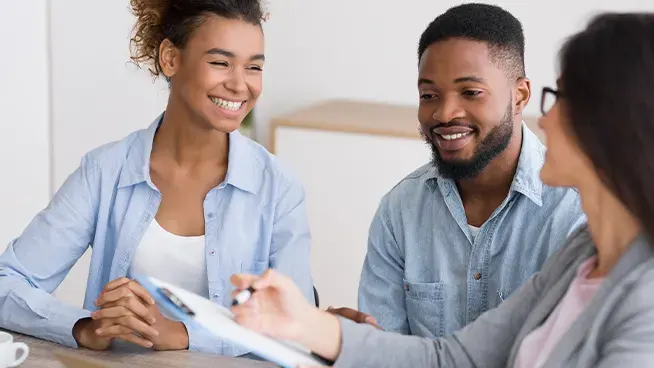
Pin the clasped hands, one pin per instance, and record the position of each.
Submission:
(128, 312)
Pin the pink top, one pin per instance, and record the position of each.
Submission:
(538, 345)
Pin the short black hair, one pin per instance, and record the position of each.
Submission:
(496, 27)
(607, 82)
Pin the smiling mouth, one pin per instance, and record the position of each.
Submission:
(451, 141)
(451, 137)
(226, 104)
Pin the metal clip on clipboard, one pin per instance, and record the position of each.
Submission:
(198, 312)
(167, 294)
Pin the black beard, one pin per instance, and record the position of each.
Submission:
(495, 143)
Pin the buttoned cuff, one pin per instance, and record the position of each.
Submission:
(62, 319)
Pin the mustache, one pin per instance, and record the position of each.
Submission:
(453, 124)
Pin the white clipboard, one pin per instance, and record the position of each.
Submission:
(202, 313)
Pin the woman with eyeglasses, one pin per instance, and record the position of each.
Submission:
(592, 303)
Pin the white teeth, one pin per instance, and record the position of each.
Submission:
(227, 105)
(449, 137)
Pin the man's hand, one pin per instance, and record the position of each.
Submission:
(127, 311)
(354, 315)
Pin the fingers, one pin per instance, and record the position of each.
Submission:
(371, 321)
(115, 284)
(110, 331)
(140, 291)
(133, 307)
(353, 315)
(247, 315)
(112, 296)
(243, 281)
(348, 313)
(136, 340)
(271, 279)
(126, 324)
(124, 290)
(123, 287)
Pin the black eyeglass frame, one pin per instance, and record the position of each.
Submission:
(547, 90)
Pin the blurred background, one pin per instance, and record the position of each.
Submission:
(338, 105)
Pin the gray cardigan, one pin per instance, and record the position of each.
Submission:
(616, 329)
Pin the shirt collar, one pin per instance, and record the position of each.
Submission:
(639, 251)
(527, 176)
(244, 169)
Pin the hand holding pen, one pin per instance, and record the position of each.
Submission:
(273, 305)
(241, 297)
(270, 304)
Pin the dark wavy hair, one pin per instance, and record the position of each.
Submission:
(607, 81)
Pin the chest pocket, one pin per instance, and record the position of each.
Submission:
(425, 303)
(254, 267)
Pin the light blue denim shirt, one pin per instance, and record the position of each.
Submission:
(425, 275)
(254, 220)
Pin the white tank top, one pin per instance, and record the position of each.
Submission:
(177, 260)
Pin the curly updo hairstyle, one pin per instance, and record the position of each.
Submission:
(176, 20)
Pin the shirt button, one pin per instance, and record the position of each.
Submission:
(477, 276)
(212, 252)
(406, 287)
(216, 295)
(210, 215)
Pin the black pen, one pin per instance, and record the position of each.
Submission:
(243, 296)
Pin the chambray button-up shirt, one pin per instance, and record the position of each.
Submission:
(254, 220)
(424, 273)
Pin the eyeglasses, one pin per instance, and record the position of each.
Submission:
(548, 99)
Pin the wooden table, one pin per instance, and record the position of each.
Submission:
(43, 354)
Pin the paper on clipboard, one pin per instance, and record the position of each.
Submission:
(219, 321)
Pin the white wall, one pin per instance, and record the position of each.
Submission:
(97, 95)
(366, 49)
(24, 126)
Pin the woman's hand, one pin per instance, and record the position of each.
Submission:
(278, 308)
(127, 311)
(124, 314)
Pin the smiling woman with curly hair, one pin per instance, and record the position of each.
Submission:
(187, 200)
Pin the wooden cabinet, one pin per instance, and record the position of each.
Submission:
(348, 155)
